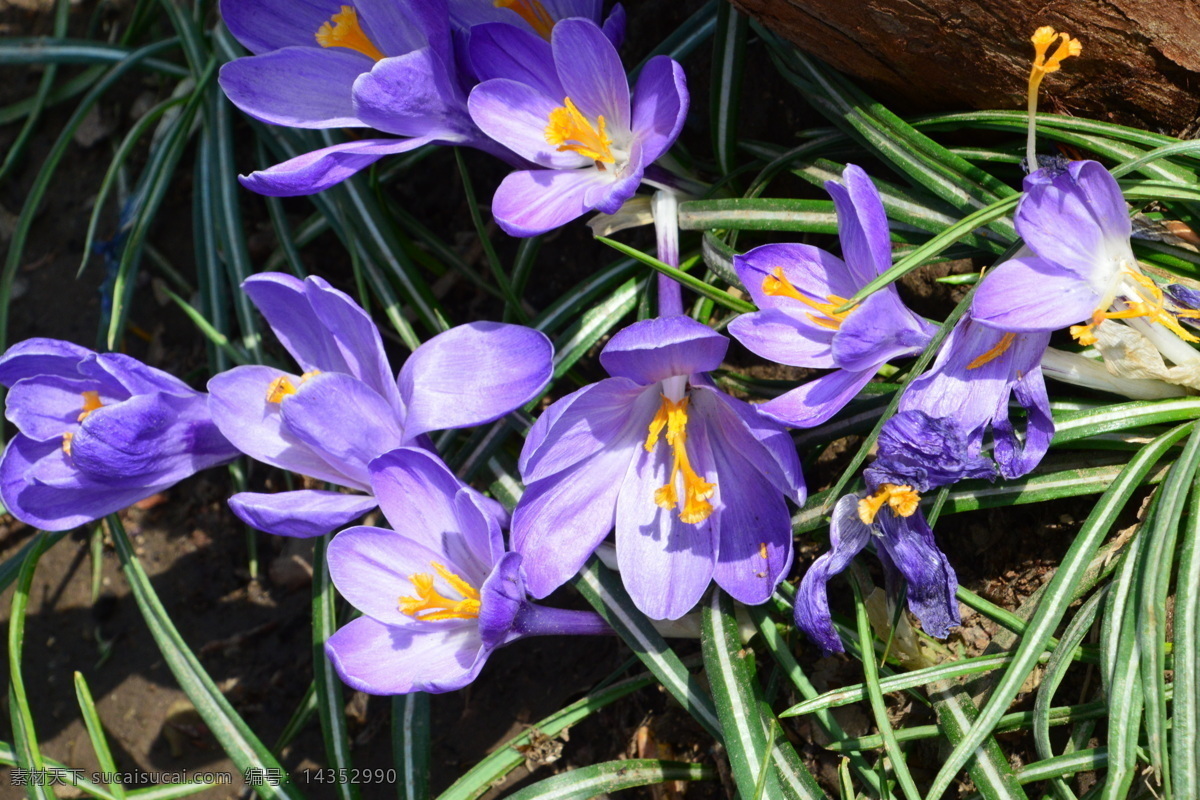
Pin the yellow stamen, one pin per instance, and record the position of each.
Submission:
(777, 285)
(1150, 305)
(697, 491)
(532, 12)
(282, 386)
(343, 30)
(903, 500)
(66, 445)
(429, 599)
(995, 352)
(572, 131)
(91, 401)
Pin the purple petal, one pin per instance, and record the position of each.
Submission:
(862, 225)
(532, 202)
(660, 106)
(263, 25)
(46, 407)
(598, 416)
(1018, 456)
(239, 407)
(301, 514)
(473, 374)
(317, 171)
(301, 87)
(383, 659)
(499, 50)
(877, 331)
(516, 115)
(398, 26)
(591, 73)
(342, 420)
(653, 350)
(909, 546)
(501, 599)
(812, 271)
(847, 537)
(777, 336)
(816, 401)
(1029, 294)
(41, 357)
(665, 563)
(133, 375)
(414, 94)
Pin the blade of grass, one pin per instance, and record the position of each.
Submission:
(613, 776)
(25, 743)
(95, 732)
(330, 703)
(1185, 741)
(411, 744)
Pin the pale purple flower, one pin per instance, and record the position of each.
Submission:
(438, 593)
(347, 407)
(98, 432)
(695, 481)
(799, 288)
(382, 64)
(568, 109)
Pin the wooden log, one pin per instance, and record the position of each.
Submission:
(1140, 64)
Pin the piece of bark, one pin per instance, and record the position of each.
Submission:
(1140, 64)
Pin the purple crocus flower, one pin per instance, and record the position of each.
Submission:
(98, 432)
(538, 17)
(383, 64)
(1077, 226)
(347, 408)
(568, 110)
(438, 593)
(693, 479)
(798, 289)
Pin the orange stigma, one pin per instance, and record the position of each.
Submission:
(343, 30)
(777, 285)
(903, 500)
(997, 350)
(91, 401)
(1151, 305)
(1042, 38)
(282, 386)
(428, 598)
(696, 491)
(532, 12)
(572, 131)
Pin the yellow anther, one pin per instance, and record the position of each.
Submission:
(1151, 305)
(532, 12)
(777, 285)
(697, 491)
(440, 607)
(91, 401)
(282, 386)
(344, 30)
(66, 445)
(999, 349)
(903, 500)
(572, 131)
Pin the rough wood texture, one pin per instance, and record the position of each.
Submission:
(1140, 63)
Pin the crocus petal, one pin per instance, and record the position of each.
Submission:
(653, 350)
(41, 357)
(591, 72)
(753, 527)
(516, 115)
(561, 519)
(816, 401)
(862, 225)
(1016, 457)
(665, 563)
(589, 420)
(265, 25)
(473, 374)
(660, 106)
(1030, 294)
(532, 202)
(499, 50)
(238, 404)
(384, 659)
(847, 537)
(614, 25)
(908, 544)
(317, 171)
(877, 331)
(811, 270)
(500, 600)
(301, 514)
(398, 26)
(46, 407)
(414, 94)
(301, 87)
(777, 336)
(133, 375)
(344, 421)
(927, 452)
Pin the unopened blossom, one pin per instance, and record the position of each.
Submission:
(568, 110)
(97, 432)
(694, 481)
(799, 290)
(438, 592)
(346, 406)
(382, 64)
